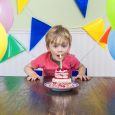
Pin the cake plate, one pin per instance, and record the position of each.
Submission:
(48, 85)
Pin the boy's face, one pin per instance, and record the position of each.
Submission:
(59, 48)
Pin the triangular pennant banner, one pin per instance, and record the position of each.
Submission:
(104, 38)
(103, 45)
(95, 29)
(82, 4)
(38, 30)
(14, 48)
(21, 4)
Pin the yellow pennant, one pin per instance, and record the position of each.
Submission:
(3, 41)
(95, 29)
(21, 4)
(103, 45)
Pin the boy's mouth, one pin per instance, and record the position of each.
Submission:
(59, 56)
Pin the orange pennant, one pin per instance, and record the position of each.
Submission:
(104, 38)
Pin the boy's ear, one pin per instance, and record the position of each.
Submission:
(47, 48)
(69, 49)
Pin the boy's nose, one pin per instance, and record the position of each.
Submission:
(59, 49)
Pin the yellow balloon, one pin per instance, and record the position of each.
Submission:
(3, 41)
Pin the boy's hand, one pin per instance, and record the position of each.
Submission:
(82, 77)
(29, 78)
(33, 77)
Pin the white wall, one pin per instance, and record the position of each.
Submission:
(95, 58)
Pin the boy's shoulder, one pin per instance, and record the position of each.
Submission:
(70, 55)
(44, 55)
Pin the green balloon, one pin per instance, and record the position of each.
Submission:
(111, 12)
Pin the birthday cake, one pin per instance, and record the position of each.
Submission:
(61, 79)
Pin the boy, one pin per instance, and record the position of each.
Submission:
(58, 43)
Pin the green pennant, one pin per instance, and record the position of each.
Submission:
(14, 48)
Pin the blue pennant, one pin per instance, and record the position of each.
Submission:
(38, 30)
(82, 4)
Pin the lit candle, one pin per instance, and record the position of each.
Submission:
(60, 62)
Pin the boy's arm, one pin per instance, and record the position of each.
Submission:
(32, 75)
(81, 73)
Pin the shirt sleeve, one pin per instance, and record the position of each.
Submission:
(75, 63)
(38, 62)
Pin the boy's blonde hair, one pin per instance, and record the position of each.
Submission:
(55, 32)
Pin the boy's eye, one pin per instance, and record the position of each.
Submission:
(55, 46)
(64, 45)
